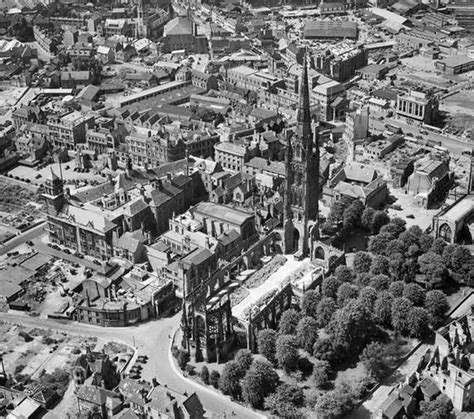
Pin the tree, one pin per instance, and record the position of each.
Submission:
(329, 287)
(204, 114)
(344, 274)
(310, 303)
(380, 265)
(438, 246)
(366, 218)
(336, 212)
(214, 378)
(229, 382)
(325, 350)
(401, 309)
(433, 266)
(351, 326)
(436, 305)
(413, 251)
(259, 381)
(426, 242)
(363, 279)
(204, 374)
(286, 401)
(362, 262)
(380, 282)
(460, 261)
(383, 308)
(288, 322)
(244, 359)
(320, 376)
(287, 353)
(379, 219)
(440, 408)
(393, 247)
(266, 342)
(373, 360)
(183, 358)
(326, 308)
(400, 225)
(367, 297)
(378, 243)
(396, 265)
(307, 333)
(409, 238)
(396, 288)
(328, 228)
(418, 322)
(335, 403)
(351, 216)
(414, 293)
(346, 292)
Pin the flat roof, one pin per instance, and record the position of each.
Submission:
(223, 212)
(455, 60)
(153, 91)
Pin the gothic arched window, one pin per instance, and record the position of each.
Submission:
(445, 232)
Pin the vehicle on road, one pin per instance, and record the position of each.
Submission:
(394, 129)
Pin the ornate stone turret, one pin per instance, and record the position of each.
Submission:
(54, 193)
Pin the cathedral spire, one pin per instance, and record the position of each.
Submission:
(304, 116)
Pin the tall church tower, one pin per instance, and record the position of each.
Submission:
(302, 177)
(53, 194)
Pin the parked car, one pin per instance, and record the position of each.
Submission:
(97, 262)
(67, 251)
(29, 243)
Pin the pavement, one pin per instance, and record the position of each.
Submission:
(154, 340)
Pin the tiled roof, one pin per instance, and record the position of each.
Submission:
(88, 218)
(276, 167)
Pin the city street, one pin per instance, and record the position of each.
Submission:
(454, 145)
(154, 340)
(31, 234)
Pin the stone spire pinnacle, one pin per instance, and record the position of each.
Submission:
(304, 116)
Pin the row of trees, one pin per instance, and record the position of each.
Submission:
(412, 251)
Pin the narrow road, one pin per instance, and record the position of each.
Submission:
(151, 339)
(22, 238)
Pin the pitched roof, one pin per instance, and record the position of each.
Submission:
(260, 163)
(360, 173)
(129, 241)
(95, 395)
(88, 218)
(194, 406)
(178, 26)
(222, 212)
